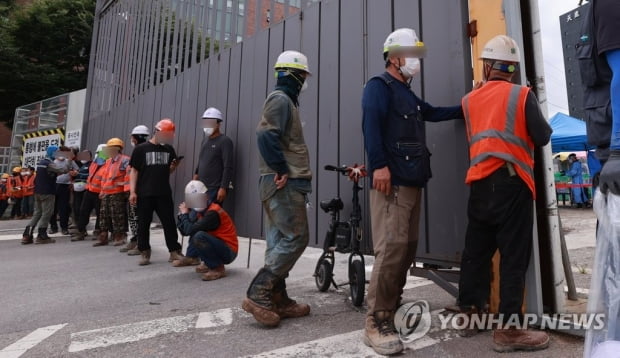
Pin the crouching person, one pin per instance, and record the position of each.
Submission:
(213, 236)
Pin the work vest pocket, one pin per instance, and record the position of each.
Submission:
(411, 162)
(598, 125)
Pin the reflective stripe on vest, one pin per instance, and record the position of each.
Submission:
(114, 178)
(497, 131)
(95, 178)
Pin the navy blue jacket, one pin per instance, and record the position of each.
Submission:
(385, 104)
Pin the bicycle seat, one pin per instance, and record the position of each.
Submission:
(334, 204)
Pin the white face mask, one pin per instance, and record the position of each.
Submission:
(304, 86)
(83, 161)
(133, 144)
(208, 131)
(411, 67)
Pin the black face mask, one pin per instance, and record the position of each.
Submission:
(291, 85)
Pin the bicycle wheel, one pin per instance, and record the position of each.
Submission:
(357, 281)
(324, 274)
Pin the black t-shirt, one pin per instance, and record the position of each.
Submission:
(215, 166)
(607, 21)
(152, 161)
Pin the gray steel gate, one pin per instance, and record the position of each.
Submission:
(153, 59)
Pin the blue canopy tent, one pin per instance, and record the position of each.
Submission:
(569, 135)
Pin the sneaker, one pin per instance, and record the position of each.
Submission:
(146, 258)
(509, 340)
(65, 232)
(134, 252)
(186, 261)
(380, 336)
(214, 274)
(130, 246)
(53, 231)
(79, 237)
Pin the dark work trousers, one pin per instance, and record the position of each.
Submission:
(17, 208)
(78, 196)
(90, 202)
(62, 207)
(500, 213)
(164, 207)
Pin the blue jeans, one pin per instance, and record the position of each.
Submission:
(28, 205)
(613, 59)
(212, 251)
(286, 226)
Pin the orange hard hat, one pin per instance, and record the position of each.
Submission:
(165, 125)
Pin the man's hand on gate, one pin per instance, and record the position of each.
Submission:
(610, 175)
(183, 208)
(133, 198)
(382, 180)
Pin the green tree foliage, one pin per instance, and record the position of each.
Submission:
(44, 50)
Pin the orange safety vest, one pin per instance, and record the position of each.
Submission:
(95, 177)
(28, 187)
(12, 183)
(497, 131)
(115, 175)
(226, 231)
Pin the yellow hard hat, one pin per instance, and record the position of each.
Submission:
(17, 170)
(115, 142)
(5, 176)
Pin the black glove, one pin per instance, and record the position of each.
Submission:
(610, 175)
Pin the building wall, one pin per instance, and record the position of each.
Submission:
(343, 41)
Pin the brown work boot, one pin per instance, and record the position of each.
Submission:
(202, 268)
(27, 237)
(508, 340)
(80, 236)
(146, 257)
(134, 252)
(285, 306)
(214, 274)
(131, 245)
(259, 299)
(175, 255)
(380, 334)
(120, 239)
(470, 330)
(186, 261)
(102, 239)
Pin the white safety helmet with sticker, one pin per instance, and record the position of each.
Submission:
(196, 196)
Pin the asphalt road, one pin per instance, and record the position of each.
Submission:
(73, 300)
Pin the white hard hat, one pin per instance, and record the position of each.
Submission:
(140, 130)
(404, 39)
(196, 195)
(213, 113)
(100, 148)
(501, 48)
(79, 186)
(292, 60)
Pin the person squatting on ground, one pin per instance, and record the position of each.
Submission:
(213, 236)
(152, 163)
(113, 195)
(285, 180)
(44, 197)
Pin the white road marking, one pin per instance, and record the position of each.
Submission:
(37, 336)
(132, 332)
(16, 236)
(223, 317)
(350, 345)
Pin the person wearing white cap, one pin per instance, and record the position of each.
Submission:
(285, 181)
(504, 125)
(216, 158)
(399, 165)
